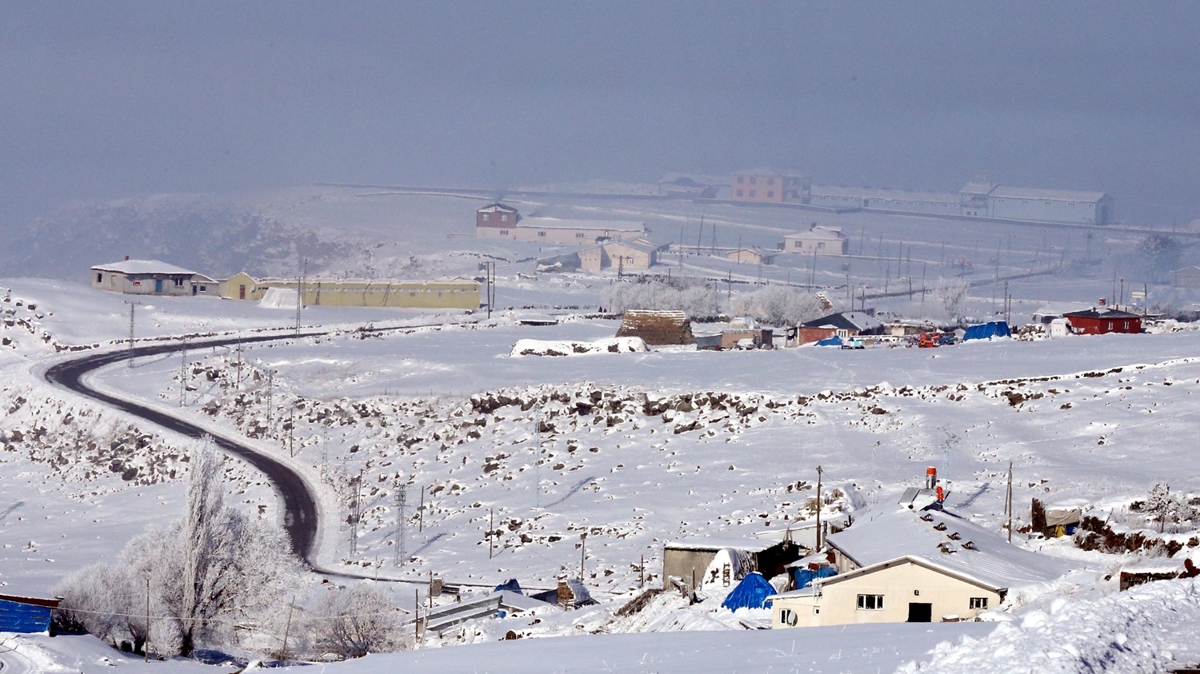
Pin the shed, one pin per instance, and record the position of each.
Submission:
(816, 240)
(751, 256)
(657, 328)
(25, 614)
(683, 557)
(1103, 320)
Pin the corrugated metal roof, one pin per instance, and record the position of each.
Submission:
(1002, 192)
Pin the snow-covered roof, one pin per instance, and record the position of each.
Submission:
(713, 544)
(597, 225)
(1003, 192)
(497, 208)
(1100, 313)
(883, 193)
(693, 180)
(978, 188)
(771, 172)
(816, 233)
(945, 541)
(846, 320)
(142, 267)
(636, 244)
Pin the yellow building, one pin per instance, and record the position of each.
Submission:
(389, 293)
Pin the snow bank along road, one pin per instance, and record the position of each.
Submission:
(299, 503)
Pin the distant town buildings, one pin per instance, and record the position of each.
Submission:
(771, 185)
(974, 200)
(499, 221)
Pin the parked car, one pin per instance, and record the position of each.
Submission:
(852, 344)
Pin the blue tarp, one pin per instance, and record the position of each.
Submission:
(805, 577)
(987, 331)
(511, 585)
(832, 341)
(750, 593)
(17, 617)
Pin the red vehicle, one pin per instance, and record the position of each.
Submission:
(929, 340)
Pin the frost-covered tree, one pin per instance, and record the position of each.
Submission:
(105, 601)
(1165, 508)
(216, 565)
(778, 305)
(213, 568)
(950, 293)
(357, 621)
(692, 297)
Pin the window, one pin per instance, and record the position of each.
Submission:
(541, 234)
(1110, 325)
(579, 235)
(770, 181)
(741, 179)
(739, 191)
(770, 194)
(870, 602)
(99, 278)
(797, 244)
(503, 217)
(820, 244)
(178, 283)
(753, 181)
(787, 617)
(203, 289)
(504, 232)
(978, 603)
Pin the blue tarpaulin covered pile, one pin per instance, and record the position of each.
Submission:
(510, 585)
(832, 341)
(750, 593)
(987, 331)
(805, 577)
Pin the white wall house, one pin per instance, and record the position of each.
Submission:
(150, 277)
(816, 239)
(498, 221)
(913, 566)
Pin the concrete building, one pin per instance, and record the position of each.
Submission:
(631, 255)
(913, 565)
(752, 256)
(498, 221)
(1188, 277)
(816, 239)
(770, 185)
(150, 277)
(1035, 205)
(884, 199)
(386, 293)
(1103, 320)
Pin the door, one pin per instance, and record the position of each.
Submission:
(241, 292)
(158, 285)
(920, 613)
(194, 289)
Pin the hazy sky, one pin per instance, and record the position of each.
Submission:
(114, 99)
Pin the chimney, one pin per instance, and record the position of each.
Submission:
(127, 258)
(930, 477)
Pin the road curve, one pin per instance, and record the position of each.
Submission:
(299, 502)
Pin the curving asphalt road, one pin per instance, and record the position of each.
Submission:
(299, 503)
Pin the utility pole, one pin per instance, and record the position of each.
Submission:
(582, 553)
(729, 289)
(401, 497)
(355, 505)
(700, 235)
(132, 307)
(183, 375)
(287, 628)
(818, 508)
(421, 512)
(270, 391)
(238, 384)
(300, 293)
(1008, 502)
(681, 245)
(491, 527)
(291, 432)
(146, 645)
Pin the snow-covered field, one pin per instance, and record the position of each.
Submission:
(523, 455)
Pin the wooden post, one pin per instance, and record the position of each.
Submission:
(287, 628)
(416, 618)
(421, 513)
(491, 526)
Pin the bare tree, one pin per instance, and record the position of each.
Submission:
(357, 621)
(950, 293)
